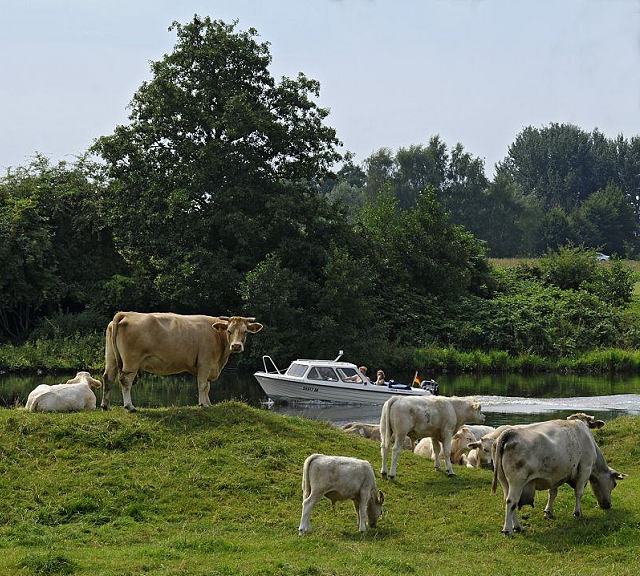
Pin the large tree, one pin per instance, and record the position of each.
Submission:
(197, 172)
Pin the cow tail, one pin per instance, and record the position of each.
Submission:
(497, 459)
(306, 483)
(385, 423)
(114, 332)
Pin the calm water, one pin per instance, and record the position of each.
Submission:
(505, 399)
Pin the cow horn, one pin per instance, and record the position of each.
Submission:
(250, 319)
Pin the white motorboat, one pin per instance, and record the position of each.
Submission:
(330, 381)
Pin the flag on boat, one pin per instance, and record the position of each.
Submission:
(416, 379)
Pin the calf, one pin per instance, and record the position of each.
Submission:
(544, 456)
(75, 394)
(418, 416)
(460, 442)
(340, 478)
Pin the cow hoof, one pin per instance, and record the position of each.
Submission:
(131, 408)
(391, 477)
(548, 515)
(506, 532)
(383, 474)
(105, 407)
(518, 529)
(450, 474)
(576, 514)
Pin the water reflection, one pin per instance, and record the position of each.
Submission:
(505, 398)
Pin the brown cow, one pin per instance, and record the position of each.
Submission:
(167, 343)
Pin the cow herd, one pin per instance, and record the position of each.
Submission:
(525, 458)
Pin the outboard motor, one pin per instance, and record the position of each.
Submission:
(431, 386)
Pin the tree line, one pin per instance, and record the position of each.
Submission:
(225, 193)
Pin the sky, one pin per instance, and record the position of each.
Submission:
(393, 73)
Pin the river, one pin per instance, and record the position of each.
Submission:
(505, 398)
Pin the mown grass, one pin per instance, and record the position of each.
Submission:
(217, 492)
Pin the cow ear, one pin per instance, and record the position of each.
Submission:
(254, 327)
(596, 424)
(476, 444)
(380, 497)
(617, 475)
(476, 406)
(220, 325)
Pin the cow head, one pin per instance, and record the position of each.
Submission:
(473, 414)
(236, 328)
(602, 483)
(483, 448)
(374, 508)
(587, 419)
(84, 377)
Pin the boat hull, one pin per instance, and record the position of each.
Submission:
(280, 388)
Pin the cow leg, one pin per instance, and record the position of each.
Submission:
(108, 379)
(436, 447)
(205, 374)
(126, 381)
(395, 454)
(383, 453)
(307, 506)
(362, 510)
(446, 448)
(579, 490)
(548, 509)
(511, 521)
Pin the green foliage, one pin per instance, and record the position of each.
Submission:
(569, 267)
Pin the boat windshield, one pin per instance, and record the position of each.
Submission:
(296, 369)
(323, 373)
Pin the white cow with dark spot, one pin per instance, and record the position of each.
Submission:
(544, 456)
(437, 417)
(340, 478)
(76, 394)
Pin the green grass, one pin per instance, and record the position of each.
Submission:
(217, 492)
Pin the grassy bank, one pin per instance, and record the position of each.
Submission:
(217, 492)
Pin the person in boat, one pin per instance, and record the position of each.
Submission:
(364, 379)
(380, 378)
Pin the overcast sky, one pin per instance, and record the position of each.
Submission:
(393, 73)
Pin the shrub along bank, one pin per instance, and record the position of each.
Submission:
(217, 492)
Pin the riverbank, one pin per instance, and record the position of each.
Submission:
(217, 491)
(87, 353)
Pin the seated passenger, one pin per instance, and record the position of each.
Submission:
(357, 378)
(380, 378)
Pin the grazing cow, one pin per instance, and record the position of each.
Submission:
(166, 343)
(370, 431)
(438, 417)
(544, 456)
(75, 394)
(460, 442)
(340, 478)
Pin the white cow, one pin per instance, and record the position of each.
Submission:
(460, 442)
(74, 394)
(340, 478)
(544, 456)
(438, 417)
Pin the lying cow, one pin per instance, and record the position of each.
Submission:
(438, 417)
(165, 343)
(544, 456)
(340, 478)
(460, 442)
(371, 431)
(75, 394)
